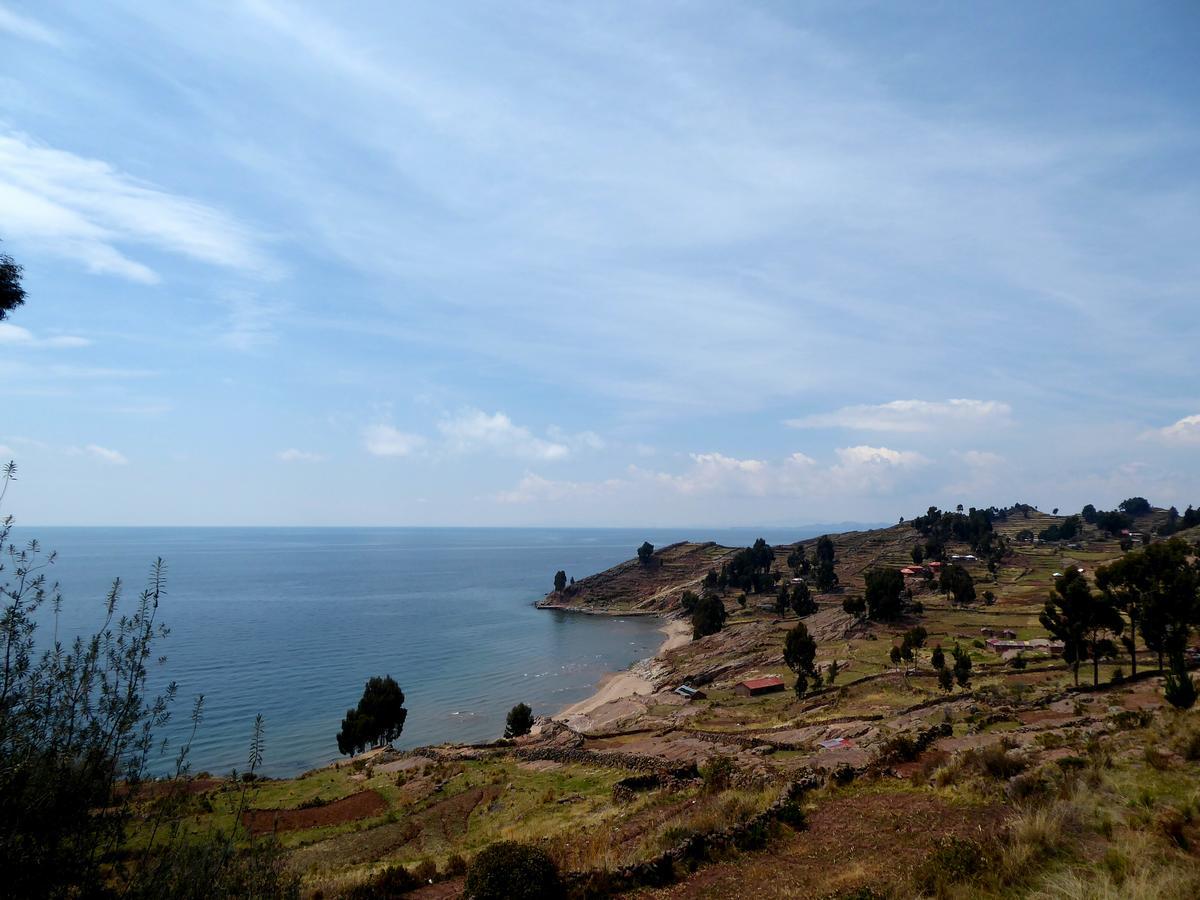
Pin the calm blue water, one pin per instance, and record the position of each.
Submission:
(290, 622)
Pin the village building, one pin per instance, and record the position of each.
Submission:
(753, 687)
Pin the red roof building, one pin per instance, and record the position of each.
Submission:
(752, 687)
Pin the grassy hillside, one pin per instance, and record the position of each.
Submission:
(880, 784)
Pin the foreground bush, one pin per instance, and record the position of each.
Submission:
(510, 870)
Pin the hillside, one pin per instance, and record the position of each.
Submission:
(633, 587)
(879, 784)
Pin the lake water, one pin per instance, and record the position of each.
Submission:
(290, 622)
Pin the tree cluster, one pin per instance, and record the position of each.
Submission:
(826, 577)
(956, 582)
(377, 720)
(750, 569)
(1065, 530)
(1175, 522)
(886, 596)
(974, 527)
(799, 562)
(965, 528)
(1158, 590)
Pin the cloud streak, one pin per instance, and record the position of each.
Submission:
(88, 211)
(910, 416)
(23, 337)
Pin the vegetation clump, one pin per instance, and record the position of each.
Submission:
(377, 720)
(512, 870)
(519, 722)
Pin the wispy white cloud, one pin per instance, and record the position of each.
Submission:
(384, 440)
(23, 337)
(534, 488)
(30, 29)
(86, 210)
(909, 415)
(292, 454)
(474, 430)
(1183, 433)
(251, 321)
(105, 454)
(858, 471)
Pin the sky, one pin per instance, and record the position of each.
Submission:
(597, 264)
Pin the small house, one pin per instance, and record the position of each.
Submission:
(687, 692)
(753, 687)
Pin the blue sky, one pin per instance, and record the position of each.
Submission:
(597, 264)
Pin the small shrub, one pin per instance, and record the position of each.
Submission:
(1116, 864)
(953, 860)
(1179, 689)
(510, 870)
(391, 882)
(1018, 662)
(753, 838)
(1172, 821)
(425, 870)
(1157, 759)
(314, 803)
(791, 814)
(1036, 785)
(717, 774)
(862, 893)
(454, 866)
(1071, 763)
(995, 761)
(1132, 718)
(1188, 745)
(898, 749)
(843, 774)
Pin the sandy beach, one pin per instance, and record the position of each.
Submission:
(619, 685)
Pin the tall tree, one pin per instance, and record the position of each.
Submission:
(12, 294)
(957, 582)
(645, 553)
(519, 721)
(826, 578)
(884, 593)
(708, 616)
(377, 720)
(825, 549)
(560, 581)
(802, 601)
(800, 653)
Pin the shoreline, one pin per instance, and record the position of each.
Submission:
(620, 685)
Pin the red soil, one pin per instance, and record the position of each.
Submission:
(362, 805)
